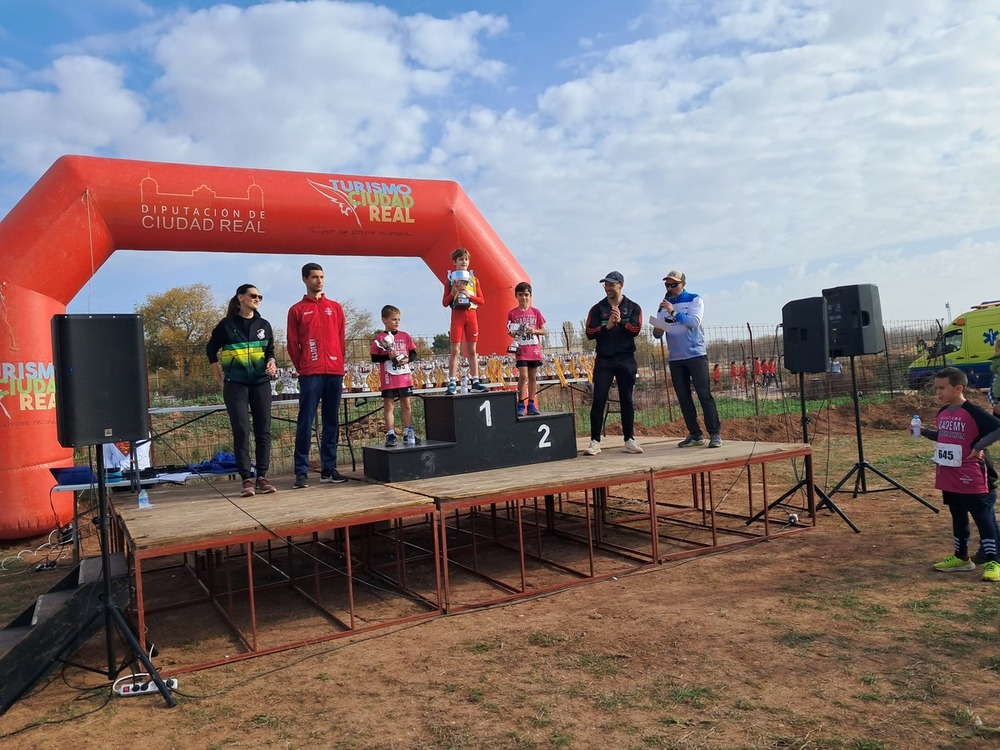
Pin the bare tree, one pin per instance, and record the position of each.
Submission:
(177, 324)
(360, 325)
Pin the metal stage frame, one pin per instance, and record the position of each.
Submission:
(306, 566)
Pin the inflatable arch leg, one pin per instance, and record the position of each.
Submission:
(28, 448)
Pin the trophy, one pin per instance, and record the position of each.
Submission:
(464, 366)
(387, 345)
(462, 278)
(517, 331)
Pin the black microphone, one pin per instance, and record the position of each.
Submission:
(670, 318)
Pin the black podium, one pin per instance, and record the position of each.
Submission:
(474, 432)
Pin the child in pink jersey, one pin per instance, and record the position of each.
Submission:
(961, 432)
(394, 350)
(525, 324)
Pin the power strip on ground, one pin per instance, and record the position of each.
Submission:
(143, 688)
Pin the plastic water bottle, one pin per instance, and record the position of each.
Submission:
(144, 500)
(465, 385)
(915, 426)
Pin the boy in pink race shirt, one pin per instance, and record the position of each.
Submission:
(394, 350)
(961, 432)
(525, 324)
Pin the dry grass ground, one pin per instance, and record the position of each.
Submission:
(827, 639)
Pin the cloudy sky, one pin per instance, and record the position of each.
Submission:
(767, 148)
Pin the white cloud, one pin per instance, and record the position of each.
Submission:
(746, 161)
(442, 44)
(291, 85)
(83, 107)
(770, 148)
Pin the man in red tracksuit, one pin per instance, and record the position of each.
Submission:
(316, 344)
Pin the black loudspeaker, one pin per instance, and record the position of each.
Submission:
(804, 332)
(100, 378)
(854, 314)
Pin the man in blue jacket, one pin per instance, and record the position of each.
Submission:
(689, 360)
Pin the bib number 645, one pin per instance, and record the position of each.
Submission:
(947, 455)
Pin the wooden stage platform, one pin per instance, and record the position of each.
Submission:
(243, 577)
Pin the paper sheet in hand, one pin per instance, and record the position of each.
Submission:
(664, 323)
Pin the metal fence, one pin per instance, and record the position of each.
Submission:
(738, 396)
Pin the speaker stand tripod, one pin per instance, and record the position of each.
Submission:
(113, 617)
(805, 482)
(861, 465)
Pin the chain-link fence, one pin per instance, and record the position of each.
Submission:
(747, 365)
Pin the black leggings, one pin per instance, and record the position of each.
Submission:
(243, 401)
(962, 506)
(623, 372)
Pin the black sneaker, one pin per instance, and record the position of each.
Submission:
(690, 441)
(301, 482)
(390, 442)
(332, 477)
(979, 558)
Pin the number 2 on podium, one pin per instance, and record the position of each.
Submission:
(543, 429)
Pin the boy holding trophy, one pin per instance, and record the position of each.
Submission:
(463, 295)
(525, 324)
(394, 350)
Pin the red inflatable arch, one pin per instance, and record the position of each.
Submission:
(83, 209)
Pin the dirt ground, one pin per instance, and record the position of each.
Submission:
(824, 639)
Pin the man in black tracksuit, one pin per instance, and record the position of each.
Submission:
(613, 323)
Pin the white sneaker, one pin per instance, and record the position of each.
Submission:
(632, 447)
(593, 449)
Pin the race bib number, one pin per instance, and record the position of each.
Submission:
(397, 369)
(947, 454)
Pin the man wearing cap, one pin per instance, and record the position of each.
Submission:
(613, 323)
(689, 360)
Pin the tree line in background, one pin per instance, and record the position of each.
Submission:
(178, 323)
